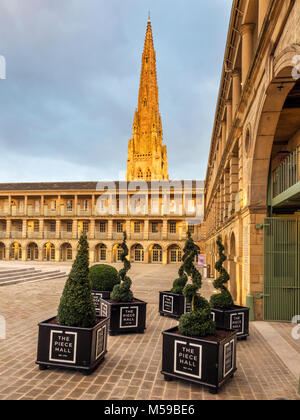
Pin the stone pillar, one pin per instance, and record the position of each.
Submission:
(25, 205)
(229, 117)
(8, 229)
(42, 205)
(92, 255)
(128, 228)
(75, 229)
(110, 229)
(221, 150)
(247, 49)
(165, 256)
(76, 205)
(262, 11)
(9, 206)
(146, 230)
(236, 91)
(24, 228)
(58, 212)
(41, 222)
(57, 254)
(165, 230)
(93, 211)
(92, 230)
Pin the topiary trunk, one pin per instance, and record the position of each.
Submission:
(121, 292)
(198, 322)
(76, 308)
(224, 299)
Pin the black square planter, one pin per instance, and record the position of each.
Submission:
(97, 296)
(209, 361)
(82, 349)
(235, 318)
(124, 317)
(173, 305)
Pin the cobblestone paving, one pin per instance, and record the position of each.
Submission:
(133, 362)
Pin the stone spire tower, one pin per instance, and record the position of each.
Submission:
(147, 156)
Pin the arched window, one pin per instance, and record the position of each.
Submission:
(138, 253)
(145, 102)
(100, 254)
(148, 175)
(156, 254)
(32, 252)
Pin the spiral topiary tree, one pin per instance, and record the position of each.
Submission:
(121, 292)
(198, 322)
(180, 283)
(76, 308)
(223, 299)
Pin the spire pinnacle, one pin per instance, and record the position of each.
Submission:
(149, 17)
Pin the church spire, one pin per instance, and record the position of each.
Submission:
(147, 157)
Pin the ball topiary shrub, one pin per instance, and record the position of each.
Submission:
(121, 292)
(76, 308)
(198, 322)
(222, 300)
(103, 277)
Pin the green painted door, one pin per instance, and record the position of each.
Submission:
(281, 269)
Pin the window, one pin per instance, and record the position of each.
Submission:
(85, 227)
(148, 175)
(140, 174)
(69, 253)
(20, 225)
(173, 227)
(119, 253)
(36, 226)
(85, 205)
(137, 227)
(69, 205)
(139, 253)
(52, 226)
(69, 226)
(102, 227)
(154, 227)
(191, 229)
(52, 205)
(37, 206)
(157, 254)
(119, 227)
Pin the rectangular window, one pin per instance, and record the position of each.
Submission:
(102, 227)
(119, 227)
(191, 229)
(137, 227)
(52, 205)
(69, 205)
(36, 226)
(85, 227)
(154, 227)
(52, 226)
(85, 205)
(103, 254)
(37, 206)
(20, 225)
(173, 227)
(69, 226)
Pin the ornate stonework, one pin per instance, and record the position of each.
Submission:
(147, 156)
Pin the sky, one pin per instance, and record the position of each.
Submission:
(72, 78)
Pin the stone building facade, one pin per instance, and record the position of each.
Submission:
(43, 221)
(252, 192)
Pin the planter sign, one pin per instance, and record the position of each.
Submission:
(96, 297)
(129, 317)
(63, 346)
(187, 307)
(228, 357)
(237, 322)
(100, 346)
(187, 359)
(168, 304)
(104, 310)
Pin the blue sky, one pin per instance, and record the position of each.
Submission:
(73, 68)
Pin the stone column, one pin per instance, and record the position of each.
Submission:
(262, 11)
(247, 49)
(110, 229)
(42, 205)
(128, 228)
(92, 230)
(234, 179)
(76, 205)
(41, 221)
(93, 211)
(221, 150)
(229, 117)
(8, 228)
(236, 91)
(165, 230)
(25, 205)
(24, 228)
(75, 229)
(58, 212)
(57, 229)
(9, 206)
(146, 230)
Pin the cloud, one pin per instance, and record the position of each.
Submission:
(73, 69)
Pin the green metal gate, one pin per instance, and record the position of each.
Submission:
(281, 269)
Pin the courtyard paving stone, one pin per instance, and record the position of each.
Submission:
(132, 366)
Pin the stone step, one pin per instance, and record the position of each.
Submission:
(38, 273)
(20, 274)
(44, 277)
(5, 272)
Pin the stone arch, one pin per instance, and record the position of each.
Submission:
(2, 251)
(49, 252)
(137, 253)
(100, 253)
(155, 253)
(32, 251)
(66, 252)
(273, 102)
(174, 254)
(15, 251)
